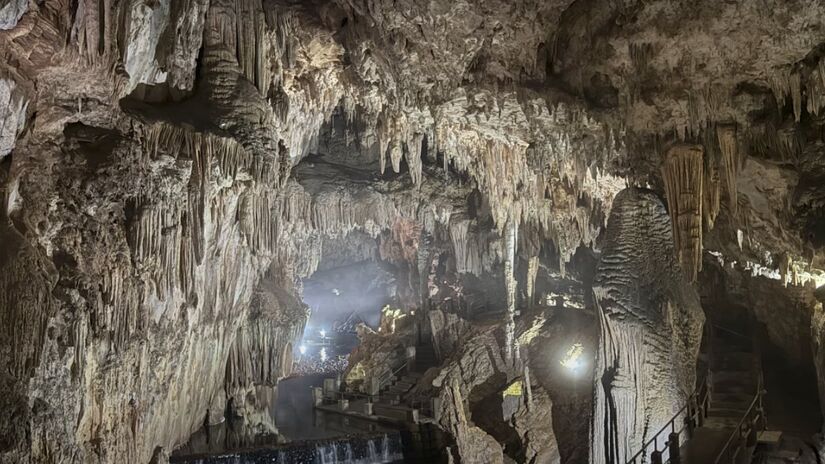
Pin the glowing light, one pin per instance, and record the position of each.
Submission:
(323, 354)
(302, 349)
(573, 358)
(323, 333)
(336, 292)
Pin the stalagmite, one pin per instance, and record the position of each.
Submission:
(682, 171)
(650, 325)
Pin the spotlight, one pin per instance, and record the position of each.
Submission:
(302, 349)
(323, 333)
(573, 358)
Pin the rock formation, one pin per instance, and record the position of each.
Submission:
(172, 170)
(650, 323)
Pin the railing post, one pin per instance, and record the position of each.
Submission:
(656, 457)
(673, 447)
(690, 421)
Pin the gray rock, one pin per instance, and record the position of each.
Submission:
(11, 11)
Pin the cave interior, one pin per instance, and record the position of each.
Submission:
(384, 231)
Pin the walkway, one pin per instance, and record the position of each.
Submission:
(726, 413)
(735, 373)
(395, 403)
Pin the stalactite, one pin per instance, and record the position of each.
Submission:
(414, 147)
(682, 172)
(186, 258)
(640, 55)
(786, 141)
(816, 88)
(383, 136)
(780, 83)
(712, 188)
(728, 147)
(458, 236)
(198, 195)
(795, 85)
(231, 159)
(532, 273)
(26, 305)
(252, 49)
(395, 156)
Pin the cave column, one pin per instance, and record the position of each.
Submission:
(510, 234)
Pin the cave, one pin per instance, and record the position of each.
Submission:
(407, 231)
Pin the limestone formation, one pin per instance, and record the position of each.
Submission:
(172, 171)
(650, 325)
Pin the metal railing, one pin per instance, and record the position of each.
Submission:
(745, 434)
(695, 412)
(662, 445)
(390, 374)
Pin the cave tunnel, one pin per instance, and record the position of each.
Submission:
(369, 231)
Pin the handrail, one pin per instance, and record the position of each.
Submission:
(698, 398)
(737, 432)
(730, 331)
(655, 440)
(390, 373)
(754, 413)
(744, 429)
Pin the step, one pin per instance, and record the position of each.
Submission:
(738, 398)
(391, 410)
(721, 422)
(734, 386)
(741, 404)
(746, 375)
(400, 391)
(722, 412)
(412, 377)
(735, 365)
(404, 384)
(734, 390)
(769, 437)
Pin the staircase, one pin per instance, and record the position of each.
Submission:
(733, 411)
(395, 399)
(425, 357)
(735, 373)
